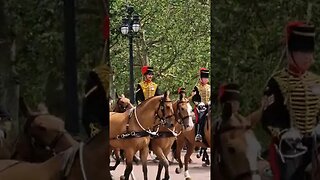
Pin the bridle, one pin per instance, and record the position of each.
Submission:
(223, 130)
(162, 109)
(180, 117)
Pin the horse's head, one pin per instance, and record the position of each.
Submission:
(47, 129)
(165, 111)
(122, 104)
(238, 147)
(183, 112)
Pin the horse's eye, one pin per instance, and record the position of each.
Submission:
(182, 109)
(231, 150)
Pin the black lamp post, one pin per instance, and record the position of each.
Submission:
(130, 27)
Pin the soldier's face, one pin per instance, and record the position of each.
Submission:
(149, 77)
(204, 80)
(303, 59)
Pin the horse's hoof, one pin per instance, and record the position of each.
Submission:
(198, 156)
(178, 170)
(122, 177)
(188, 178)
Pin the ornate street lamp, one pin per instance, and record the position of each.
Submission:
(130, 27)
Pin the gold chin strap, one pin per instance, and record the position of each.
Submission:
(93, 129)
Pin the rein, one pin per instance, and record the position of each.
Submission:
(144, 132)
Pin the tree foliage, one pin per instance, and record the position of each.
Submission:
(174, 39)
(249, 43)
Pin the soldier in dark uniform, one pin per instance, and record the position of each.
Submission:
(293, 99)
(96, 102)
(201, 99)
(146, 88)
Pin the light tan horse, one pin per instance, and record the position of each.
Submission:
(86, 161)
(131, 130)
(237, 149)
(188, 138)
(161, 144)
(122, 105)
(44, 135)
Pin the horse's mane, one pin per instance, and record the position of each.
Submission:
(146, 101)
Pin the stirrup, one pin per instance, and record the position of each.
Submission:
(198, 138)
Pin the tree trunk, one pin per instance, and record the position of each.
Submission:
(9, 86)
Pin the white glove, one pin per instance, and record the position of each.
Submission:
(316, 131)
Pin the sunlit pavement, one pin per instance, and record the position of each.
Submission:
(196, 170)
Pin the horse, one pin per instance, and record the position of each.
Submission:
(73, 164)
(237, 147)
(123, 104)
(187, 138)
(131, 130)
(44, 136)
(162, 142)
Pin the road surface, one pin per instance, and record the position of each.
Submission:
(196, 170)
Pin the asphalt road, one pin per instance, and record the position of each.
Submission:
(196, 170)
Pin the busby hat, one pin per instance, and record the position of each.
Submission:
(300, 36)
(146, 70)
(229, 92)
(181, 90)
(204, 73)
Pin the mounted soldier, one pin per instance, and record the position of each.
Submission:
(146, 88)
(201, 98)
(293, 106)
(96, 100)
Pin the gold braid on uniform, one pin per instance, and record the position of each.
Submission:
(302, 103)
(103, 72)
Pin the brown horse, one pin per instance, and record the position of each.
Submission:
(85, 161)
(237, 147)
(123, 104)
(131, 130)
(162, 142)
(187, 138)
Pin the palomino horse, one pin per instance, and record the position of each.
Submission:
(85, 161)
(187, 138)
(162, 142)
(131, 130)
(237, 147)
(123, 104)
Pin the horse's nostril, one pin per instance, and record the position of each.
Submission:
(188, 126)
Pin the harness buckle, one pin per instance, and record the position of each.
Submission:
(133, 133)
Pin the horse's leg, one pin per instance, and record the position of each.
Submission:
(163, 162)
(190, 148)
(144, 157)
(117, 154)
(177, 155)
(129, 153)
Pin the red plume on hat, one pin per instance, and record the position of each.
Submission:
(144, 69)
(202, 69)
(290, 27)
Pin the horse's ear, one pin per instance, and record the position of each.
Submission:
(122, 96)
(226, 112)
(181, 96)
(117, 95)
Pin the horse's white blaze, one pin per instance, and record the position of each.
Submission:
(186, 174)
(253, 151)
(190, 122)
